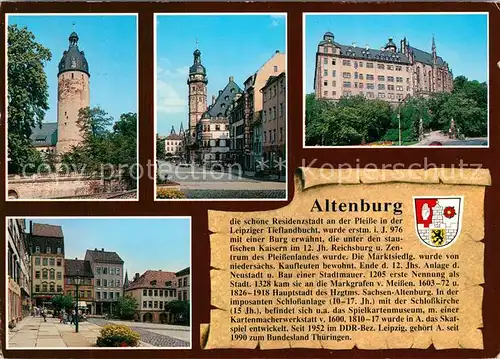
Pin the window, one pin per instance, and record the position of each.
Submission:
(59, 251)
(59, 262)
(37, 261)
(98, 270)
(168, 283)
(104, 282)
(161, 293)
(156, 304)
(117, 282)
(346, 62)
(37, 274)
(111, 283)
(381, 86)
(48, 250)
(408, 80)
(275, 68)
(325, 72)
(361, 76)
(369, 65)
(390, 67)
(144, 304)
(399, 79)
(117, 271)
(361, 64)
(346, 94)
(399, 88)
(381, 95)
(360, 85)
(390, 78)
(52, 275)
(380, 66)
(156, 292)
(89, 294)
(185, 281)
(112, 271)
(52, 287)
(161, 305)
(44, 274)
(390, 87)
(398, 68)
(98, 295)
(104, 295)
(110, 295)
(334, 61)
(150, 304)
(37, 288)
(334, 84)
(37, 249)
(82, 294)
(144, 292)
(45, 261)
(98, 282)
(334, 73)
(150, 292)
(369, 77)
(104, 270)
(59, 275)
(347, 84)
(325, 60)
(44, 288)
(325, 83)
(370, 95)
(325, 93)
(179, 282)
(399, 96)
(59, 288)
(381, 77)
(52, 261)
(370, 86)
(390, 96)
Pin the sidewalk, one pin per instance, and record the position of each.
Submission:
(34, 332)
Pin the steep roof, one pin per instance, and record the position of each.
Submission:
(150, 276)
(103, 256)
(224, 99)
(272, 79)
(74, 267)
(73, 59)
(45, 135)
(183, 272)
(425, 57)
(47, 230)
(174, 137)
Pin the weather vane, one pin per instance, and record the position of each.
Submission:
(74, 25)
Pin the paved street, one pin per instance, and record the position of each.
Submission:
(35, 333)
(444, 140)
(197, 182)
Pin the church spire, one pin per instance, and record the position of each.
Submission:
(181, 129)
(126, 282)
(172, 131)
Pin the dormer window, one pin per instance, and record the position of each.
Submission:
(168, 283)
(48, 249)
(153, 282)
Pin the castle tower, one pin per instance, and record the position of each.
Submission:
(197, 83)
(73, 94)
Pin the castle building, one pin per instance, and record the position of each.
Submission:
(208, 138)
(73, 94)
(153, 290)
(18, 271)
(47, 262)
(107, 268)
(389, 74)
(184, 284)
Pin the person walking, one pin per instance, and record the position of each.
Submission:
(44, 316)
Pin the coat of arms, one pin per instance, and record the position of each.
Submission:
(438, 220)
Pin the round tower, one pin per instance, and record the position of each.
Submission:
(197, 83)
(73, 94)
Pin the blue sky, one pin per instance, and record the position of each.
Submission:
(230, 45)
(461, 40)
(110, 46)
(149, 243)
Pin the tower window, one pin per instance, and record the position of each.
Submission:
(72, 76)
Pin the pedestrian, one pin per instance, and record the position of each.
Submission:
(44, 316)
(60, 317)
(65, 317)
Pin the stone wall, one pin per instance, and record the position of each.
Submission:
(55, 186)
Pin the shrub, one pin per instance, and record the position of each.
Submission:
(115, 335)
(169, 193)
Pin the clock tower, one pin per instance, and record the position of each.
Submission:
(197, 83)
(73, 94)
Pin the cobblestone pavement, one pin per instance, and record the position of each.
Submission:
(147, 336)
(231, 194)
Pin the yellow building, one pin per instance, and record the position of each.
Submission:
(47, 262)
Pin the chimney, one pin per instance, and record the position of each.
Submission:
(277, 52)
(76, 258)
(213, 99)
(136, 276)
(231, 78)
(102, 249)
(95, 249)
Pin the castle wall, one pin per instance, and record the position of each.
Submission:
(73, 94)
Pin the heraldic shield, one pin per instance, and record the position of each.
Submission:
(438, 220)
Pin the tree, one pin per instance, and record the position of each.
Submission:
(180, 310)
(160, 148)
(127, 307)
(27, 94)
(62, 302)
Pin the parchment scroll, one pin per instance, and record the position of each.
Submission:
(375, 259)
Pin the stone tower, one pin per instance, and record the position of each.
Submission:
(197, 83)
(73, 94)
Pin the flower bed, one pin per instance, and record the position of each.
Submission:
(115, 335)
(169, 193)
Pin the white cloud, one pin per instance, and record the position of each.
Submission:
(171, 88)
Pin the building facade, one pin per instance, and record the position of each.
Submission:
(75, 268)
(47, 262)
(389, 74)
(153, 290)
(183, 278)
(174, 143)
(107, 268)
(73, 94)
(18, 271)
(274, 122)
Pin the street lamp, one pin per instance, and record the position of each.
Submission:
(77, 283)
